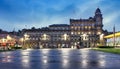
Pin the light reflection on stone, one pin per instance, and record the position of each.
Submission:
(25, 61)
(65, 62)
(84, 63)
(84, 57)
(9, 56)
(102, 61)
(6, 60)
(25, 58)
(25, 53)
(45, 51)
(65, 52)
(101, 56)
(45, 56)
(65, 57)
(45, 61)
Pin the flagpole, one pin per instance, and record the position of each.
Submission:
(114, 35)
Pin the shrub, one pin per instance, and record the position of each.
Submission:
(17, 47)
(105, 46)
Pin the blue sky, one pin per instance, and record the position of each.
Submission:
(21, 14)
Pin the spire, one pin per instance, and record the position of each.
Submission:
(97, 11)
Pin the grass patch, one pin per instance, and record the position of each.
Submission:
(110, 50)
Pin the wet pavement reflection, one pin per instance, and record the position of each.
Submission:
(58, 59)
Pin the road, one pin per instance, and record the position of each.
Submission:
(58, 59)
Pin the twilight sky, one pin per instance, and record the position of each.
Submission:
(21, 14)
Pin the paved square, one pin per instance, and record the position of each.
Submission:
(58, 59)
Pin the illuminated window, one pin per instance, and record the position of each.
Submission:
(72, 27)
(72, 32)
(98, 32)
(89, 33)
(82, 32)
(85, 27)
(78, 32)
(89, 27)
(44, 36)
(75, 28)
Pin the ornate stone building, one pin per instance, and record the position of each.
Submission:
(54, 36)
(80, 32)
(86, 32)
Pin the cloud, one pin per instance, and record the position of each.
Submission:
(40, 13)
(112, 19)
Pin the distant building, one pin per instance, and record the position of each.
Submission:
(113, 39)
(81, 32)
(8, 40)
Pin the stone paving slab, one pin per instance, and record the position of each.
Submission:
(59, 59)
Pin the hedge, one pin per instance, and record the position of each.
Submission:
(105, 46)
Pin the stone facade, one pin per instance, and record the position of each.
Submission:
(87, 31)
(54, 36)
(80, 32)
